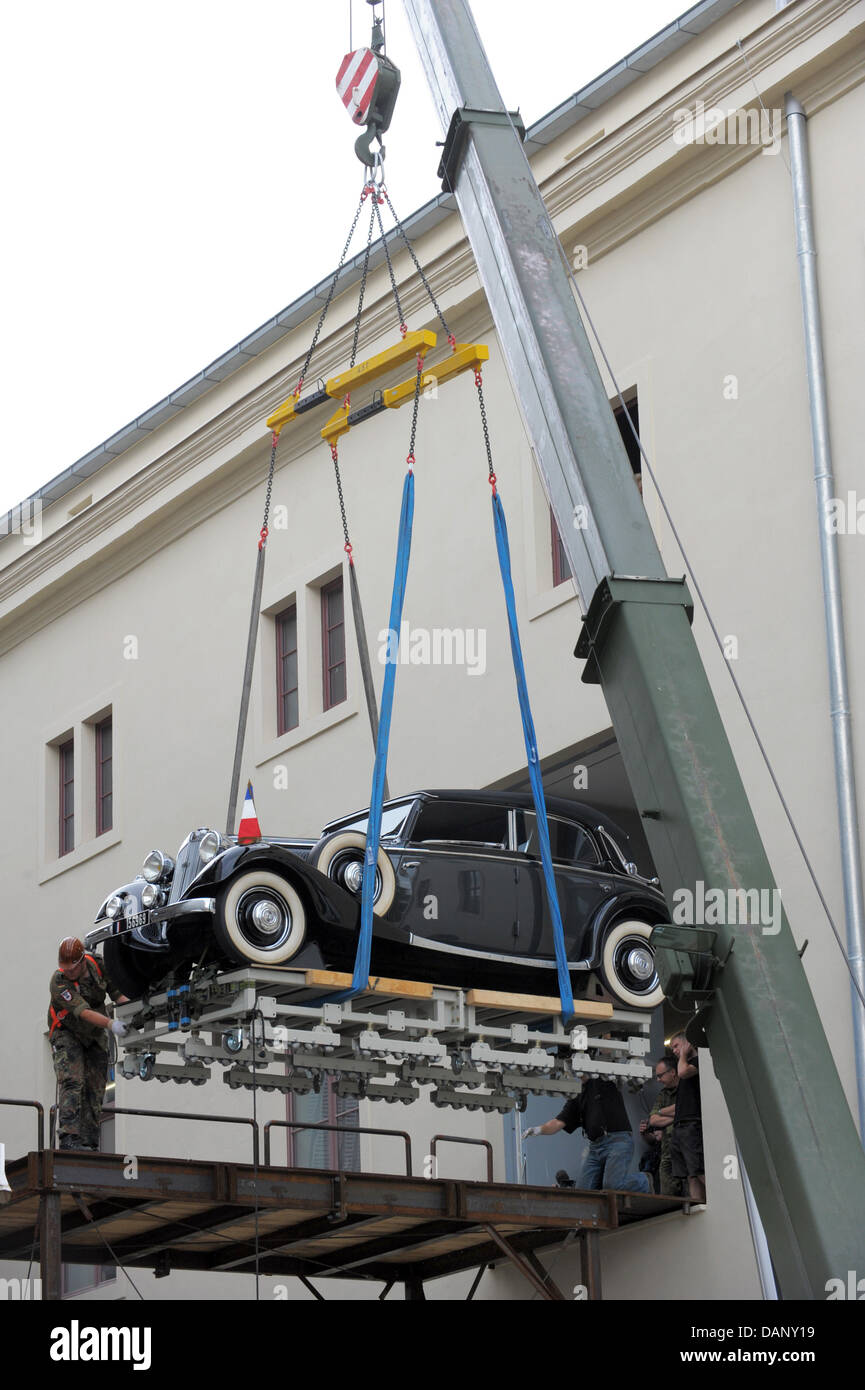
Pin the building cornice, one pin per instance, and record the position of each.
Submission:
(227, 456)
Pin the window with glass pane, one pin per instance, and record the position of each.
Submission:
(66, 753)
(393, 818)
(569, 843)
(104, 777)
(561, 568)
(333, 643)
(621, 414)
(462, 822)
(286, 670)
(324, 1148)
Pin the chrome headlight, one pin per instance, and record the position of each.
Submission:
(156, 866)
(114, 907)
(150, 895)
(209, 846)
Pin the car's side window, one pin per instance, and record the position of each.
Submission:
(393, 818)
(462, 823)
(570, 843)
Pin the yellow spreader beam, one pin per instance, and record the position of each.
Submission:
(416, 344)
(465, 357)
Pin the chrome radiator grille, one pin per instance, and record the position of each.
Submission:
(186, 867)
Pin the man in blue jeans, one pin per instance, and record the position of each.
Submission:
(600, 1111)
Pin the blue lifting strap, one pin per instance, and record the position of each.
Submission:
(360, 979)
(565, 992)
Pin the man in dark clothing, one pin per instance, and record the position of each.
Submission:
(658, 1129)
(600, 1111)
(78, 1033)
(686, 1146)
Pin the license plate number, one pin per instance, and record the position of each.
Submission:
(140, 919)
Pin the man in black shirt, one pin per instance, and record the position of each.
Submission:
(600, 1111)
(686, 1145)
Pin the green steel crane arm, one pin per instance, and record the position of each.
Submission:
(758, 1017)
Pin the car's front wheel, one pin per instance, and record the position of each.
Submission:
(260, 919)
(341, 855)
(628, 968)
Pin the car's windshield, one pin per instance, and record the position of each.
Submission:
(393, 818)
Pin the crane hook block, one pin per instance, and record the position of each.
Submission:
(368, 85)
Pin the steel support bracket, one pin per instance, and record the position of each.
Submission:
(609, 596)
(687, 961)
(462, 121)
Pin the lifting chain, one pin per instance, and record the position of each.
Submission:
(262, 537)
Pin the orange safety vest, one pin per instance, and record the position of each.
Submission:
(57, 1018)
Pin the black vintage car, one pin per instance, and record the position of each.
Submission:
(460, 900)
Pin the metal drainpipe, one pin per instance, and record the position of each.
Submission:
(845, 779)
(758, 1236)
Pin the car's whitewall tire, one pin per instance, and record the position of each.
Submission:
(626, 948)
(334, 852)
(260, 919)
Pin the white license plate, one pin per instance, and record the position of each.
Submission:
(140, 919)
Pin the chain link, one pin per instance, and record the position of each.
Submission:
(262, 541)
(362, 292)
(418, 267)
(486, 429)
(334, 453)
(410, 459)
(331, 291)
(403, 327)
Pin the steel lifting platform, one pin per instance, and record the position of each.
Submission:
(478, 1049)
(84, 1208)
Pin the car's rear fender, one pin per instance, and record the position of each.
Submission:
(641, 903)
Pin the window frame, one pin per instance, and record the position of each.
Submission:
(103, 824)
(280, 619)
(327, 666)
(561, 568)
(66, 822)
(332, 1104)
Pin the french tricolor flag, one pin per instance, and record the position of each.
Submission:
(249, 828)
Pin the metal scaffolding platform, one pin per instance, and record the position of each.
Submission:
(185, 1214)
(477, 1049)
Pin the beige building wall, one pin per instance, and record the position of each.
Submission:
(139, 601)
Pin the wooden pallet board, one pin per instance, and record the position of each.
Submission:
(536, 1004)
(377, 984)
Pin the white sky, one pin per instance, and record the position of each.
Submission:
(175, 173)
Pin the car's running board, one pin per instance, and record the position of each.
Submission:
(431, 944)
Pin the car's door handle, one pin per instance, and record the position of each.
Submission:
(410, 864)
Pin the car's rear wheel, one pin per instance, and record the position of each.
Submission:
(341, 855)
(260, 919)
(628, 968)
(121, 970)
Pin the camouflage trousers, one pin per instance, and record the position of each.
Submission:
(82, 1071)
(670, 1186)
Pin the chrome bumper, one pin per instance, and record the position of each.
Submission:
(190, 907)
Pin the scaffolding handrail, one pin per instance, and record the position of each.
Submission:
(40, 1117)
(463, 1139)
(343, 1129)
(109, 1110)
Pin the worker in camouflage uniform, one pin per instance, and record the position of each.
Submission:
(659, 1126)
(78, 1033)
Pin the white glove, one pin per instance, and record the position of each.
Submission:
(530, 1133)
(119, 1028)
